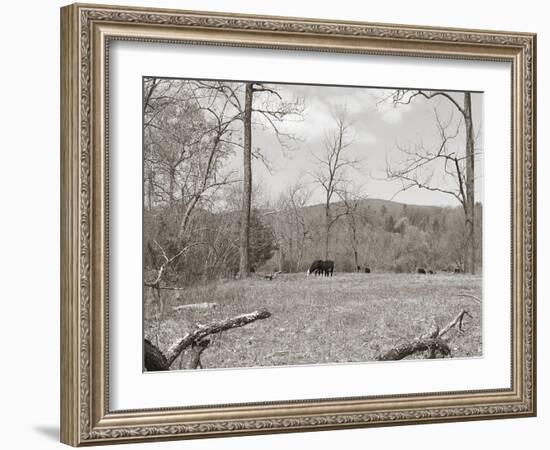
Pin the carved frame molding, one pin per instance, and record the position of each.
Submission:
(86, 31)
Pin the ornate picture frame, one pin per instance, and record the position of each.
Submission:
(87, 32)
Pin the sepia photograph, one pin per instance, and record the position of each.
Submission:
(295, 224)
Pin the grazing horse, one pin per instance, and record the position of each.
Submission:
(328, 267)
(315, 268)
(319, 267)
(367, 270)
(421, 270)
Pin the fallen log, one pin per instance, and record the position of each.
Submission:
(155, 360)
(458, 320)
(268, 276)
(431, 342)
(202, 305)
(273, 275)
(420, 345)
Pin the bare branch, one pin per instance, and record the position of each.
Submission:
(155, 360)
(215, 327)
(416, 169)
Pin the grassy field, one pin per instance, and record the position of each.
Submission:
(351, 317)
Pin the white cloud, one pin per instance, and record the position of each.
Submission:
(364, 136)
(392, 115)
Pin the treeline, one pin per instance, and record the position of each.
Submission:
(378, 234)
(381, 235)
(215, 250)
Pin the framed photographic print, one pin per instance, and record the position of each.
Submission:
(276, 224)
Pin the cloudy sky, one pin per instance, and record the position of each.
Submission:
(378, 128)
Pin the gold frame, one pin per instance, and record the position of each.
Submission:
(86, 31)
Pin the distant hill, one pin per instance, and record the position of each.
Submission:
(387, 206)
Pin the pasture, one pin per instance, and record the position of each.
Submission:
(351, 317)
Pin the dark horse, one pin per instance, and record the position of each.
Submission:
(319, 267)
(315, 267)
(328, 267)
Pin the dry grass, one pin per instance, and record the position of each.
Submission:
(348, 318)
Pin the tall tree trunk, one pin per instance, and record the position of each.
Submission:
(327, 230)
(469, 264)
(300, 254)
(171, 186)
(247, 184)
(354, 244)
(280, 257)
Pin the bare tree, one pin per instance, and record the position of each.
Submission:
(244, 248)
(272, 110)
(262, 106)
(418, 167)
(298, 197)
(356, 219)
(289, 222)
(156, 283)
(187, 139)
(333, 165)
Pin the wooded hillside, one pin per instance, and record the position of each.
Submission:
(379, 234)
